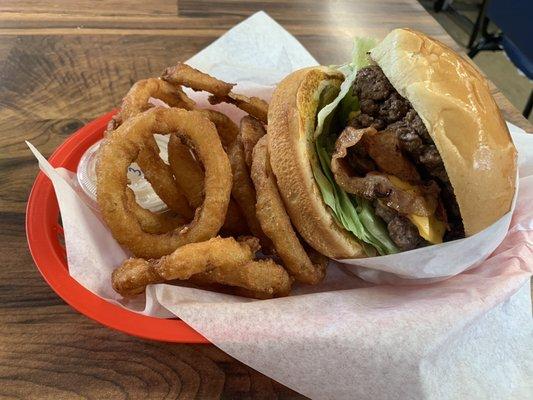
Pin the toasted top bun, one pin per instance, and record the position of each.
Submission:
(454, 102)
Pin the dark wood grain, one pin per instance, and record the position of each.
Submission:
(63, 63)
(91, 7)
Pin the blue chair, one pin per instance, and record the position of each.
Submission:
(513, 18)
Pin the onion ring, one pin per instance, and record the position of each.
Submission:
(226, 128)
(113, 124)
(159, 174)
(156, 172)
(256, 107)
(190, 177)
(235, 222)
(137, 99)
(152, 222)
(186, 170)
(218, 260)
(244, 193)
(183, 74)
(202, 257)
(122, 147)
(276, 223)
(251, 131)
(260, 279)
(227, 131)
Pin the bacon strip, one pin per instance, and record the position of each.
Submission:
(422, 201)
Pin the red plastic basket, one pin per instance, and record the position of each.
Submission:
(44, 233)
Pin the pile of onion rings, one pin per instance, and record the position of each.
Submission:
(217, 186)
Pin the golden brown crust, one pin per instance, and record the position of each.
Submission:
(276, 223)
(122, 147)
(291, 120)
(453, 100)
(184, 75)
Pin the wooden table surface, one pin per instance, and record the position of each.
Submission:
(63, 63)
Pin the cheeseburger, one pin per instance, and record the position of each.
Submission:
(403, 147)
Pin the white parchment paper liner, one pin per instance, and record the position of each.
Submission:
(465, 337)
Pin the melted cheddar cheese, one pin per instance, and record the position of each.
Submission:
(430, 228)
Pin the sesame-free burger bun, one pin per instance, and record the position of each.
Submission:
(453, 100)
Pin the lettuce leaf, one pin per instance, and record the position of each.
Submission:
(348, 107)
(352, 213)
(360, 59)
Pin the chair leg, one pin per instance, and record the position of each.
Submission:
(529, 106)
(474, 50)
(489, 42)
(477, 26)
(437, 5)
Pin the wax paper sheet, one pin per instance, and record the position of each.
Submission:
(469, 336)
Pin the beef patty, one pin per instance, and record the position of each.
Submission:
(383, 108)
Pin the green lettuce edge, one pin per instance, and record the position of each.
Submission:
(353, 213)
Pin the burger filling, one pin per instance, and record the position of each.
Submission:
(379, 166)
(382, 108)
